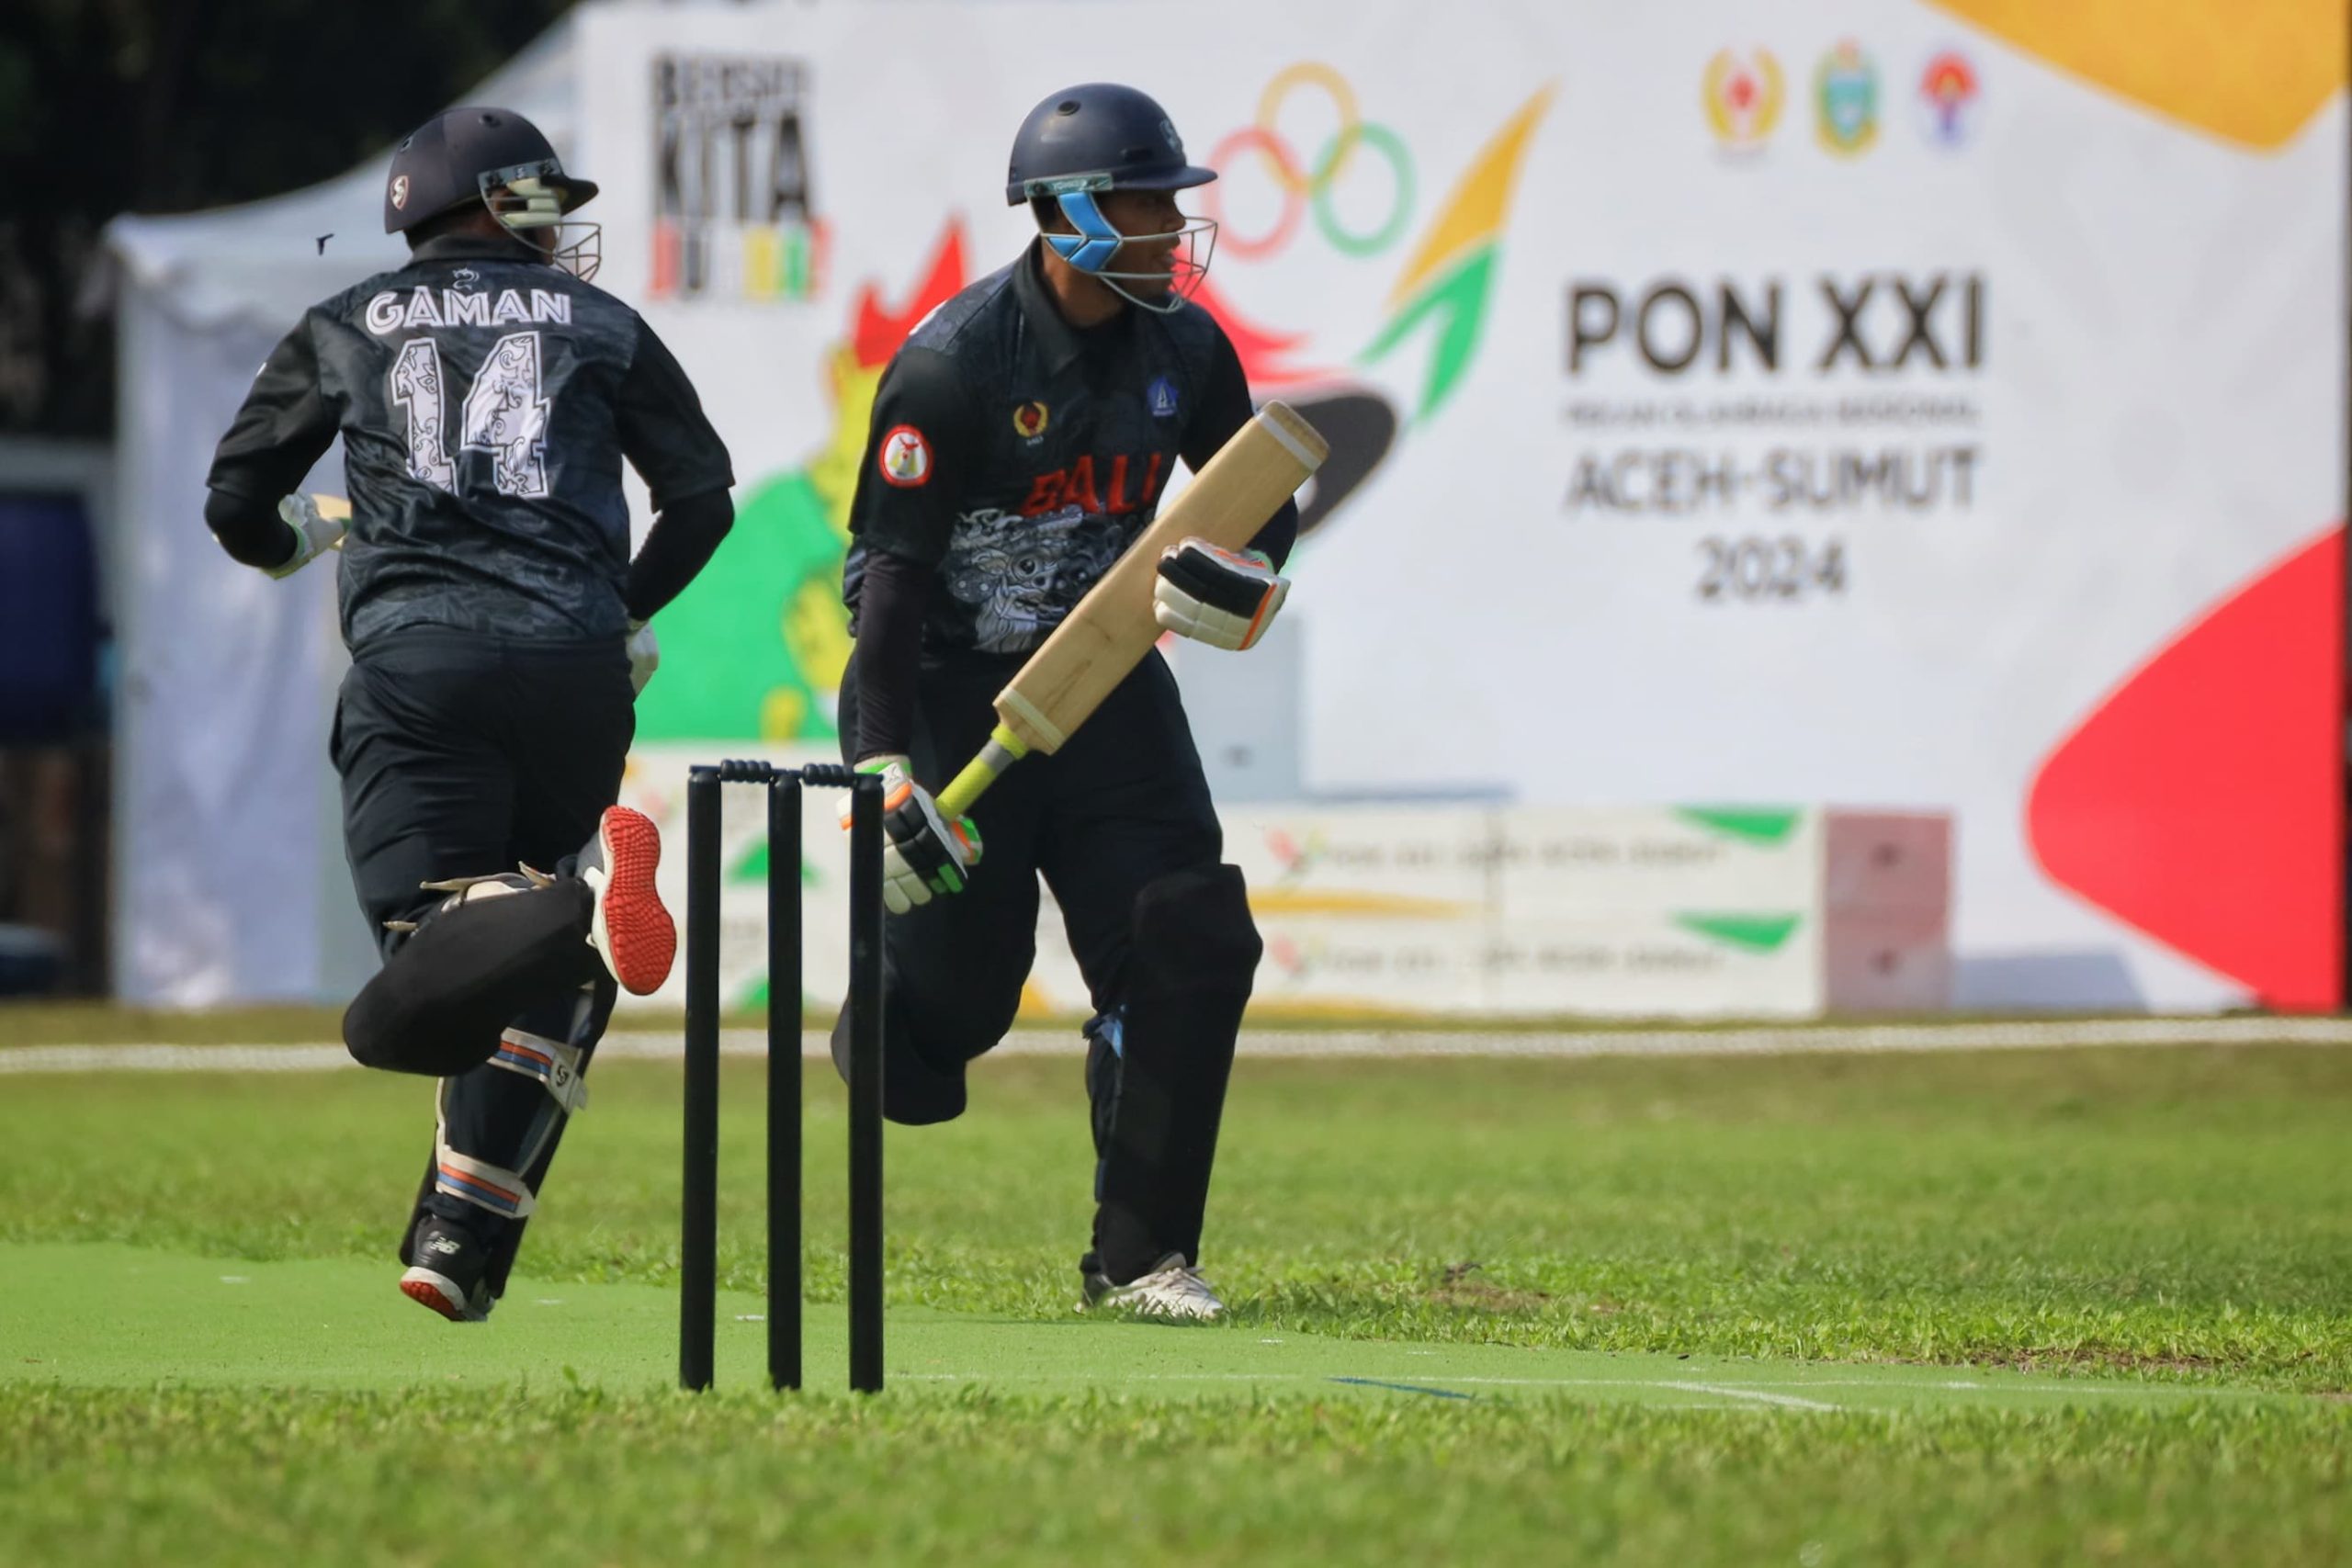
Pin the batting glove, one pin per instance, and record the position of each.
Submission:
(924, 853)
(1223, 598)
(644, 655)
(314, 535)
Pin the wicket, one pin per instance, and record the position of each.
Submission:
(698, 1257)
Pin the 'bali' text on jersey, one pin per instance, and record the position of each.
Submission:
(1018, 455)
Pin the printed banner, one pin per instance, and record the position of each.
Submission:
(1436, 910)
(1927, 407)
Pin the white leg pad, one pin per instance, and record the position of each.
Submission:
(554, 1063)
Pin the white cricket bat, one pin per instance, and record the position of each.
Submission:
(1106, 634)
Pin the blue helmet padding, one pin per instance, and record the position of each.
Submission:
(1096, 242)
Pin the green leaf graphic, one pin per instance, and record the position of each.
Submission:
(1757, 934)
(1757, 827)
(1460, 297)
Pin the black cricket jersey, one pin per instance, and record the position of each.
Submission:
(485, 400)
(1017, 456)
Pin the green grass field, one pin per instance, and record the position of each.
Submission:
(2010, 1307)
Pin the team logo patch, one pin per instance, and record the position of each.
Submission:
(1029, 420)
(1162, 397)
(906, 457)
(400, 192)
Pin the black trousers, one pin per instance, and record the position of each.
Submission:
(1121, 806)
(1120, 825)
(462, 755)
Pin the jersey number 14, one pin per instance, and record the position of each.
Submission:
(504, 414)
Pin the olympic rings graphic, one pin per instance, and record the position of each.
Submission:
(1343, 100)
(1401, 169)
(1277, 152)
(1305, 190)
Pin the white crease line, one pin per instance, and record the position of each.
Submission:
(1270, 1043)
(174, 1059)
(1130, 1377)
(1763, 1392)
(1434, 1380)
(1897, 1387)
(2014, 1387)
(1578, 1042)
(1325, 1378)
(1731, 1391)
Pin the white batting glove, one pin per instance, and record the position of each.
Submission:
(1223, 598)
(314, 535)
(924, 853)
(644, 655)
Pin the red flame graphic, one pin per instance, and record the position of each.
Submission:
(1264, 353)
(880, 331)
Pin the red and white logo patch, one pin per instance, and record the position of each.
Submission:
(906, 457)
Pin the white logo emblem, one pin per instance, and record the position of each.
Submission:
(400, 192)
(465, 277)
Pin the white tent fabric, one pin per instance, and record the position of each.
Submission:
(229, 880)
(220, 684)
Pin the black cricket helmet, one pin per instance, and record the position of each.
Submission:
(1100, 136)
(502, 160)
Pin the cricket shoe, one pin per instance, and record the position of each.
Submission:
(446, 1271)
(1172, 1293)
(630, 929)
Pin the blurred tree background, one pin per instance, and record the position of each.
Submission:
(173, 106)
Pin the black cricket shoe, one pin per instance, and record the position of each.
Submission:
(446, 1265)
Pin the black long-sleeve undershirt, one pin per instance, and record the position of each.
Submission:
(893, 597)
(251, 531)
(679, 545)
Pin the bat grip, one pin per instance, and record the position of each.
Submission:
(1003, 749)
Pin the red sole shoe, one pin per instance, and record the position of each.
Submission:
(429, 1290)
(630, 928)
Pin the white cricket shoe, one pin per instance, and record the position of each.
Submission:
(1172, 1293)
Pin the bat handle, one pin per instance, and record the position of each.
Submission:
(1003, 749)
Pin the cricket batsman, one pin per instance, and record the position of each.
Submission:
(486, 395)
(1021, 438)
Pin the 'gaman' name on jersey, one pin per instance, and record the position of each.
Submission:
(388, 312)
